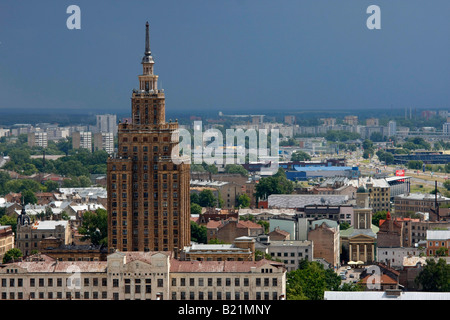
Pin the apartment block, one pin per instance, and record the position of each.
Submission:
(107, 123)
(104, 141)
(38, 139)
(82, 139)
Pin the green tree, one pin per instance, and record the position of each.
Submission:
(435, 276)
(243, 201)
(20, 185)
(72, 168)
(377, 216)
(351, 287)
(387, 157)
(29, 197)
(77, 182)
(194, 198)
(300, 156)
(276, 184)
(9, 221)
(236, 168)
(415, 164)
(94, 227)
(12, 255)
(367, 144)
(198, 233)
(344, 225)
(196, 208)
(447, 184)
(206, 198)
(310, 281)
(442, 252)
(4, 178)
(51, 186)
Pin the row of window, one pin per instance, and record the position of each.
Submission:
(159, 282)
(56, 295)
(175, 296)
(210, 282)
(287, 254)
(145, 203)
(220, 296)
(438, 243)
(50, 281)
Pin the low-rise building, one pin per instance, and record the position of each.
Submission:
(230, 229)
(142, 276)
(291, 252)
(6, 240)
(438, 242)
(30, 234)
(395, 257)
(418, 202)
(56, 249)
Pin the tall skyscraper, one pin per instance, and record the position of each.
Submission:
(148, 194)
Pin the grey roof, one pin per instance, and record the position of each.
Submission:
(302, 200)
(438, 234)
(420, 196)
(93, 192)
(208, 183)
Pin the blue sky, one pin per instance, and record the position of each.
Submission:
(227, 55)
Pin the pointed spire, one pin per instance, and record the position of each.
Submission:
(148, 54)
(147, 40)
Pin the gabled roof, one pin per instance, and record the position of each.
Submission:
(384, 279)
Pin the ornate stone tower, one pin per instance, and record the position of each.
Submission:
(148, 194)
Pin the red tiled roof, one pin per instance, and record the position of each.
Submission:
(384, 279)
(218, 266)
(248, 224)
(213, 224)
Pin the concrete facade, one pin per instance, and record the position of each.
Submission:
(142, 276)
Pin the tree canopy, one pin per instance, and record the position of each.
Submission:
(435, 276)
(300, 156)
(11, 255)
(310, 281)
(94, 227)
(275, 184)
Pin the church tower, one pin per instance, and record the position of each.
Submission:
(148, 194)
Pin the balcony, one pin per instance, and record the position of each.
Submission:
(148, 94)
